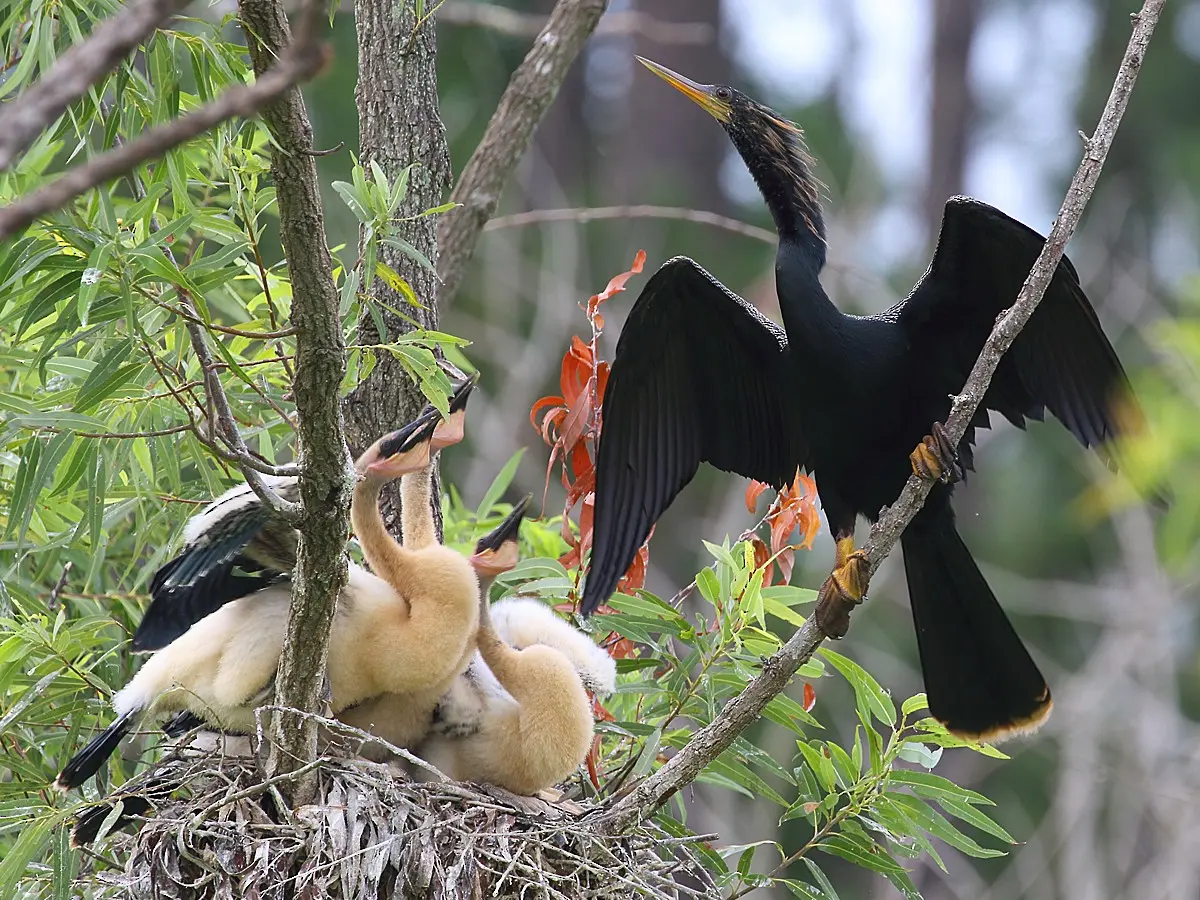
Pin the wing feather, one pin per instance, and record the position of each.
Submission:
(1060, 362)
(699, 376)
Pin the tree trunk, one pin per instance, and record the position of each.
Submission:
(320, 366)
(399, 125)
(953, 105)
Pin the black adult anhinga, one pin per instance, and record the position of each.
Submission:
(701, 376)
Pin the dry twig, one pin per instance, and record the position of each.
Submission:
(584, 214)
(530, 91)
(743, 709)
(511, 22)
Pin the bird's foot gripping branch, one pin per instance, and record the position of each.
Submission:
(844, 589)
(936, 458)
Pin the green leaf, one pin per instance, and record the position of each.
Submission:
(861, 852)
(648, 754)
(848, 773)
(710, 588)
(916, 752)
(499, 485)
(783, 710)
(731, 768)
(935, 787)
(33, 838)
(865, 687)
(821, 765)
(820, 878)
(935, 823)
(912, 704)
(90, 281)
(438, 210)
(397, 284)
(787, 595)
(351, 197)
(398, 243)
(62, 864)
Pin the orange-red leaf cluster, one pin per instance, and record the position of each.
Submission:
(569, 422)
(794, 510)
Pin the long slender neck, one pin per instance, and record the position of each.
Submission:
(779, 164)
(810, 319)
(416, 513)
(378, 546)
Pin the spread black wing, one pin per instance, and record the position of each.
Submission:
(1060, 362)
(699, 376)
(240, 548)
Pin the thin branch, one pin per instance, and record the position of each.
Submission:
(303, 60)
(510, 22)
(529, 94)
(585, 214)
(742, 710)
(24, 119)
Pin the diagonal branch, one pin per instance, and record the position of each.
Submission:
(302, 60)
(529, 94)
(742, 710)
(24, 119)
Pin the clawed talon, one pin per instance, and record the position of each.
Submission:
(844, 589)
(936, 458)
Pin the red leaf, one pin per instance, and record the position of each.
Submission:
(810, 697)
(761, 555)
(623, 648)
(753, 491)
(616, 284)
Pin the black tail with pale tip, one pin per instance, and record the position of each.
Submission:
(87, 762)
(980, 681)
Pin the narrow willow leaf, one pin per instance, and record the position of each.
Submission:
(861, 853)
(821, 879)
(499, 485)
(867, 688)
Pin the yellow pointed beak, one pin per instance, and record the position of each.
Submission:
(701, 94)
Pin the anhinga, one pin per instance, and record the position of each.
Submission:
(407, 629)
(519, 717)
(701, 376)
(235, 546)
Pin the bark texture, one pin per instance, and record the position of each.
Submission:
(325, 474)
(399, 125)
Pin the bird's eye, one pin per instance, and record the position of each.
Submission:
(724, 94)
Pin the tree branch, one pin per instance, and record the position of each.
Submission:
(715, 738)
(301, 61)
(24, 119)
(513, 23)
(325, 473)
(530, 91)
(584, 214)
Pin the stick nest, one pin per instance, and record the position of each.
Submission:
(221, 831)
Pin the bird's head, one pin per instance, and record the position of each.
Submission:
(497, 551)
(450, 430)
(772, 147)
(401, 452)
